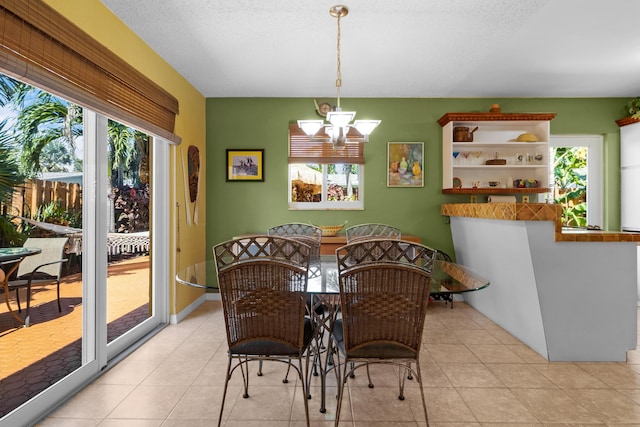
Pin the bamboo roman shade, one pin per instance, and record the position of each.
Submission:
(303, 150)
(43, 48)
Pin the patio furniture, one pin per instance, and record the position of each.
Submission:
(40, 269)
(384, 293)
(263, 289)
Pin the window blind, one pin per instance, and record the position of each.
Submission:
(303, 150)
(41, 47)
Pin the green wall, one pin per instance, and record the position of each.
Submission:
(253, 123)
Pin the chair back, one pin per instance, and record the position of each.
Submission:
(263, 288)
(52, 250)
(375, 250)
(306, 233)
(366, 231)
(384, 293)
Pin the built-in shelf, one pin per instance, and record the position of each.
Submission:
(464, 162)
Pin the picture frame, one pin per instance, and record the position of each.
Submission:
(245, 165)
(405, 164)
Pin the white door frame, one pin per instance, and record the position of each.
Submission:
(595, 177)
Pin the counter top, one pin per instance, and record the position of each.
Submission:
(535, 212)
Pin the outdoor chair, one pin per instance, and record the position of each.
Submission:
(40, 269)
(384, 294)
(263, 288)
(367, 231)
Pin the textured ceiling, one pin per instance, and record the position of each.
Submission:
(391, 48)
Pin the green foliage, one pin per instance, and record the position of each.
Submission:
(127, 147)
(10, 176)
(55, 156)
(633, 107)
(53, 213)
(570, 182)
(41, 119)
(46, 121)
(9, 234)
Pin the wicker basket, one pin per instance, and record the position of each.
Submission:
(330, 230)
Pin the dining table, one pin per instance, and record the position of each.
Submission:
(447, 279)
(10, 259)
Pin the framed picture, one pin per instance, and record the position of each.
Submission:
(245, 165)
(405, 162)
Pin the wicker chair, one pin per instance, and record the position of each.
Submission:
(384, 293)
(367, 231)
(307, 233)
(44, 268)
(312, 236)
(263, 288)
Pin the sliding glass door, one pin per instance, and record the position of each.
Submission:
(114, 292)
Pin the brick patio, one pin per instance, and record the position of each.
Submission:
(31, 359)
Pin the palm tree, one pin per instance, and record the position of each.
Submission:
(47, 120)
(10, 178)
(121, 151)
(41, 119)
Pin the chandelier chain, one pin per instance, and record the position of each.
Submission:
(339, 76)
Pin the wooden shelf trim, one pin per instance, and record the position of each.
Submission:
(491, 190)
(627, 121)
(494, 117)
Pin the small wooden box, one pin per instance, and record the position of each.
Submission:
(496, 162)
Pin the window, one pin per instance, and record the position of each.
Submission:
(325, 186)
(322, 177)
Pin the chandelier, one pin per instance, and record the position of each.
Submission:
(339, 128)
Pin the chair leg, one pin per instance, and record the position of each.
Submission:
(244, 368)
(224, 392)
(424, 405)
(401, 379)
(27, 317)
(343, 381)
(285, 380)
(59, 306)
(304, 378)
(18, 300)
(369, 377)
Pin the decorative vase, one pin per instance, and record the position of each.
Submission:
(403, 166)
(416, 168)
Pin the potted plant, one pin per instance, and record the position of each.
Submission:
(633, 108)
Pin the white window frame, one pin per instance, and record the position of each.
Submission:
(328, 204)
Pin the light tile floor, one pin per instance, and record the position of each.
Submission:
(475, 374)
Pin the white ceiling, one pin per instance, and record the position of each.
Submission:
(392, 48)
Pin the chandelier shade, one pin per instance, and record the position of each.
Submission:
(339, 128)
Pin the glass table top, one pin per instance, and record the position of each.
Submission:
(447, 277)
(10, 254)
